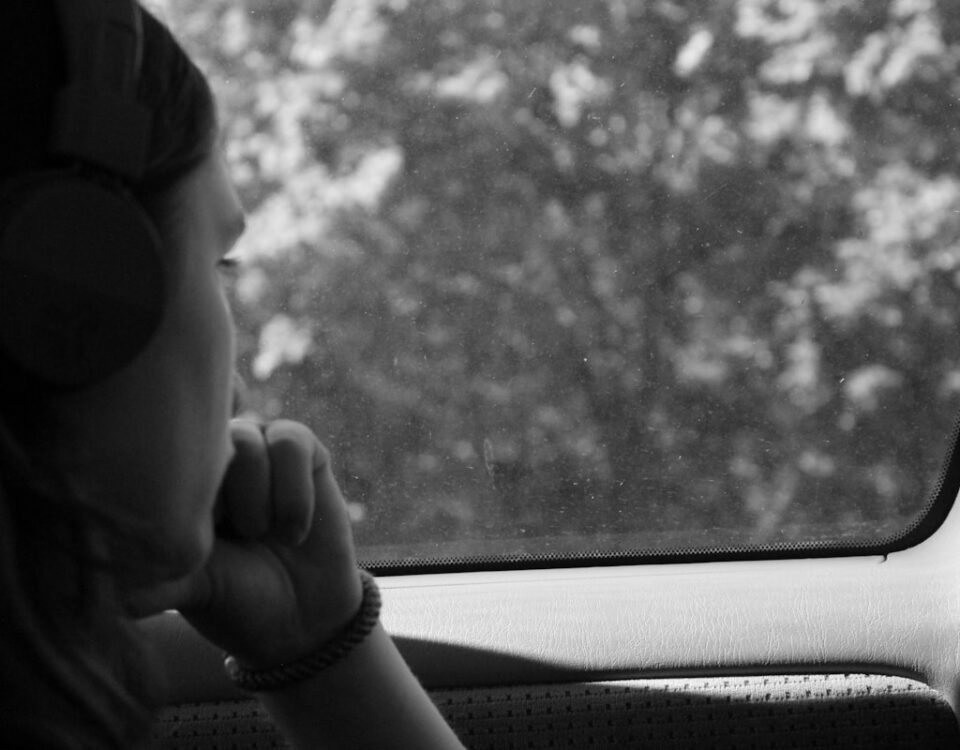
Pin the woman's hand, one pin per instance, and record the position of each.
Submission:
(282, 576)
(282, 580)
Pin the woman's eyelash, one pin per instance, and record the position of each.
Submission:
(228, 264)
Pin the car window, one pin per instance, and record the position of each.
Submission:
(622, 279)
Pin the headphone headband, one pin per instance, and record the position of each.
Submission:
(97, 119)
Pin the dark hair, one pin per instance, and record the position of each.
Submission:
(70, 669)
(32, 69)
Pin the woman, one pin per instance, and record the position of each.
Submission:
(110, 489)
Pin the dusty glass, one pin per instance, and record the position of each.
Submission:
(559, 278)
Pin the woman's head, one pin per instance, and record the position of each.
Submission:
(113, 482)
(91, 149)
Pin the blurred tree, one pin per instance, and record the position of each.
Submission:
(603, 273)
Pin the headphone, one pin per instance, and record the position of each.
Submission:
(81, 276)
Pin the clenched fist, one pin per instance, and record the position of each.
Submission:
(281, 578)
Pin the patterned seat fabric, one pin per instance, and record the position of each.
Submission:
(783, 711)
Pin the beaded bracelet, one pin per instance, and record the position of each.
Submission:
(329, 653)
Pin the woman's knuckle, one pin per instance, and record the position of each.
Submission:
(246, 436)
(323, 453)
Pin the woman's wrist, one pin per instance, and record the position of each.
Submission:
(290, 671)
(334, 708)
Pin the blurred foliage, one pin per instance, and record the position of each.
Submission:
(575, 274)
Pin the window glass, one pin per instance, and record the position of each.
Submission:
(558, 278)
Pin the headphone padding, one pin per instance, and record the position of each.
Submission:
(81, 281)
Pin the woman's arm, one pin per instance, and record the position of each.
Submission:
(370, 699)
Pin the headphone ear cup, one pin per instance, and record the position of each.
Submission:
(81, 281)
